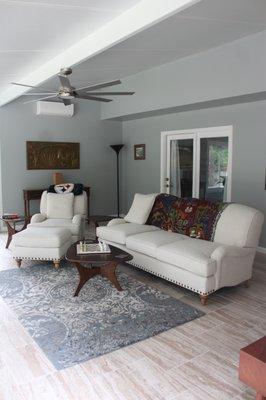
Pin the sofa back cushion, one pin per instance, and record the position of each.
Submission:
(188, 216)
(60, 205)
(140, 208)
(239, 225)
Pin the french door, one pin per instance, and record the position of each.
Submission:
(197, 163)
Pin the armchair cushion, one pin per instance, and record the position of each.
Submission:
(38, 218)
(60, 205)
(59, 223)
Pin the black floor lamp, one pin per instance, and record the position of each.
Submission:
(117, 148)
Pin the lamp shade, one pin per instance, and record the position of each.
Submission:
(116, 147)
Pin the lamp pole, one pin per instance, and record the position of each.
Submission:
(117, 148)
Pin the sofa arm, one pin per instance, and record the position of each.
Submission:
(116, 221)
(231, 251)
(233, 265)
(77, 219)
(38, 218)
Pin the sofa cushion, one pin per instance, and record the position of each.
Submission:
(193, 255)
(41, 238)
(60, 205)
(148, 242)
(58, 223)
(141, 208)
(119, 233)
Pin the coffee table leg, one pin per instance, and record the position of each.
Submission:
(84, 275)
(108, 271)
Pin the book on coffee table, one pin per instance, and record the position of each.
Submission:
(89, 248)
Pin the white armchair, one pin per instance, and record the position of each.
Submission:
(62, 211)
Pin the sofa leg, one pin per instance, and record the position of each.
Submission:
(247, 283)
(203, 299)
(18, 261)
(57, 264)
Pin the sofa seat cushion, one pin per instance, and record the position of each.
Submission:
(58, 223)
(119, 233)
(41, 238)
(148, 242)
(193, 255)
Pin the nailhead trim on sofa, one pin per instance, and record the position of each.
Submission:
(170, 280)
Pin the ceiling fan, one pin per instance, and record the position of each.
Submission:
(66, 92)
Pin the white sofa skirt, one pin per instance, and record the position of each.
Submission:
(226, 274)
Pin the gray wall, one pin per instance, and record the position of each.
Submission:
(19, 123)
(234, 69)
(249, 150)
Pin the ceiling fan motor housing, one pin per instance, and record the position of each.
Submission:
(66, 71)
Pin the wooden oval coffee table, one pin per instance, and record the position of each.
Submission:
(89, 265)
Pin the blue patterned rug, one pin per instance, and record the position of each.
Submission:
(72, 330)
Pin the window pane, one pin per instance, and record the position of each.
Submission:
(181, 167)
(213, 168)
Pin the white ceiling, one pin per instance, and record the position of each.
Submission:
(32, 33)
(208, 24)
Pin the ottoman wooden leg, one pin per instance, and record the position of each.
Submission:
(57, 263)
(18, 261)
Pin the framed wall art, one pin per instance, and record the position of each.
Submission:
(139, 152)
(52, 155)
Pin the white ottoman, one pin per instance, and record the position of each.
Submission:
(41, 244)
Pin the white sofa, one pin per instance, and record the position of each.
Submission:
(199, 265)
(64, 211)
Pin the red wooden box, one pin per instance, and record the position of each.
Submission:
(252, 367)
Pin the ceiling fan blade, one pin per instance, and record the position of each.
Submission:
(111, 93)
(42, 98)
(39, 94)
(100, 85)
(64, 81)
(66, 102)
(87, 97)
(33, 87)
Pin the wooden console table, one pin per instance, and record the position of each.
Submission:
(35, 194)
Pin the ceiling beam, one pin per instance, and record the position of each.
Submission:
(143, 15)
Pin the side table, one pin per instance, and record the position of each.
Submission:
(252, 367)
(11, 226)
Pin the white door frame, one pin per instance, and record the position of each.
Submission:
(220, 131)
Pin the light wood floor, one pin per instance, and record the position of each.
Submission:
(195, 361)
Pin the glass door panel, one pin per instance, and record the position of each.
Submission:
(213, 168)
(180, 167)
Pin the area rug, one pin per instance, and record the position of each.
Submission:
(72, 330)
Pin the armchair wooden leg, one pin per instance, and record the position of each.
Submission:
(203, 299)
(18, 261)
(56, 263)
(247, 283)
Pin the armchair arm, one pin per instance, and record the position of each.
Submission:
(77, 219)
(116, 221)
(38, 218)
